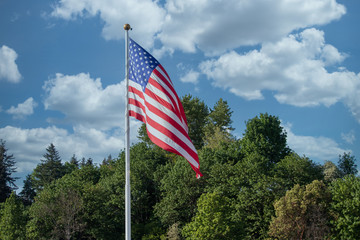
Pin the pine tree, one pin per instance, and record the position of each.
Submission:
(220, 116)
(7, 183)
(49, 169)
(28, 192)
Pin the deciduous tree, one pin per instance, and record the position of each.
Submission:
(266, 136)
(347, 164)
(12, 219)
(302, 213)
(346, 207)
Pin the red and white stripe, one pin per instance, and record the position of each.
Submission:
(160, 109)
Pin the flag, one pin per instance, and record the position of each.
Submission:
(153, 100)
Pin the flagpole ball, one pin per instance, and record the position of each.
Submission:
(127, 27)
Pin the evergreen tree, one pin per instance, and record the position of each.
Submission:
(218, 128)
(72, 165)
(49, 169)
(7, 183)
(220, 116)
(28, 192)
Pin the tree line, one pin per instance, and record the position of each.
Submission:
(255, 187)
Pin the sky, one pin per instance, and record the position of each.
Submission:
(62, 70)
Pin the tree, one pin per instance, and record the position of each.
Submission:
(7, 183)
(213, 219)
(73, 207)
(72, 165)
(302, 213)
(265, 136)
(179, 193)
(346, 207)
(28, 192)
(331, 172)
(12, 219)
(49, 169)
(347, 164)
(294, 169)
(218, 128)
(196, 114)
(220, 115)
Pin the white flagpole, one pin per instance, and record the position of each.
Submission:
(127, 141)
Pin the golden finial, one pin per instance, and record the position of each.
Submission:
(127, 27)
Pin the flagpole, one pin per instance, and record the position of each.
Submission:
(127, 141)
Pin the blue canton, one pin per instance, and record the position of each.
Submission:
(141, 64)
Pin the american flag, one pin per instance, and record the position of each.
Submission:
(153, 100)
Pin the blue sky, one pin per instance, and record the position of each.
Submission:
(62, 70)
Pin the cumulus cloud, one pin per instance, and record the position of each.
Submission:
(295, 68)
(23, 109)
(190, 77)
(83, 100)
(115, 14)
(317, 148)
(29, 145)
(215, 26)
(211, 26)
(8, 68)
(96, 116)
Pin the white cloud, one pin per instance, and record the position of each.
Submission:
(190, 77)
(23, 109)
(29, 145)
(349, 137)
(143, 15)
(95, 114)
(8, 68)
(84, 101)
(316, 148)
(215, 26)
(294, 68)
(212, 26)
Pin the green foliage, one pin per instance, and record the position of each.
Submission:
(264, 135)
(12, 219)
(220, 115)
(243, 178)
(294, 169)
(213, 219)
(28, 192)
(196, 113)
(254, 207)
(346, 207)
(347, 164)
(179, 193)
(302, 213)
(7, 183)
(48, 170)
